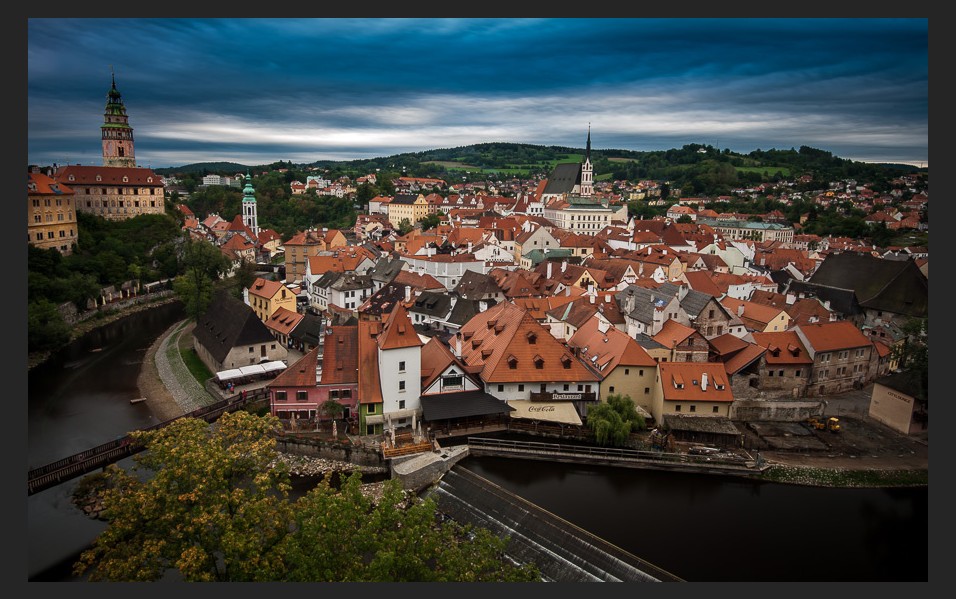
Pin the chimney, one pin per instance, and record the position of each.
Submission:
(549, 270)
(740, 310)
(469, 247)
(564, 266)
(408, 293)
(703, 382)
(791, 298)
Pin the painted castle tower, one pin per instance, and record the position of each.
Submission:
(116, 132)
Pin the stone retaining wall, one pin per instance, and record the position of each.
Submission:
(363, 456)
(781, 410)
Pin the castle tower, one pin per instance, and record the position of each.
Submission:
(249, 217)
(116, 132)
(587, 170)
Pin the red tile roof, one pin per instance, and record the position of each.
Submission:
(606, 350)
(507, 334)
(783, 347)
(283, 320)
(340, 360)
(834, 336)
(369, 385)
(107, 175)
(397, 331)
(673, 333)
(263, 288)
(300, 374)
(686, 373)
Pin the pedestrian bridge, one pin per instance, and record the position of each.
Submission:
(84, 462)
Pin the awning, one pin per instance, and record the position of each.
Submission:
(228, 375)
(556, 411)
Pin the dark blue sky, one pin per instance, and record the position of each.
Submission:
(255, 91)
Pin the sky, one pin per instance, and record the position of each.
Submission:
(255, 91)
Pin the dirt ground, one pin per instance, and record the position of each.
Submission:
(861, 443)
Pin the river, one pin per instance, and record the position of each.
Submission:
(698, 527)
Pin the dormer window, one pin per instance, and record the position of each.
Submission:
(538, 362)
(125, 179)
(566, 361)
(98, 178)
(512, 362)
(532, 338)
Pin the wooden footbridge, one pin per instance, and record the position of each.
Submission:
(51, 475)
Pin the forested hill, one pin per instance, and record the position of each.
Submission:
(205, 168)
(695, 167)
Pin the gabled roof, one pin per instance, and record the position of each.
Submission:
(504, 335)
(397, 331)
(432, 303)
(283, 321)
(563, 178)
(229, 323)
(678, 381)
(369, 385)
(474, 285)
(783, 348)
(308, 329)
(340, 363)
(44, 185)
(300, 374)
(107, 175)
(673, 333)
(267, 289)
(603, 351)
(755, 316)
(436, 359)
(889, 285)
(834, 336)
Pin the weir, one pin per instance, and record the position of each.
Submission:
(562, 551)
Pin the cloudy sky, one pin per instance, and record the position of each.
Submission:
(254, 91)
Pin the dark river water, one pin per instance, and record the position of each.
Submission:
(701, 528)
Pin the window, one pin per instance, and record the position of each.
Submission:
(693, 408)
(567, 387)
(611, 389)
(251, 350)
(647, 390)
(273, 346)
(401, 404)
(301, 395)
(797, 372)
(401, 386)
(677, 408)
(627, 371)
(371, 408)
(780, 373)
(334, 394)
(401, 366)
(640, 372)
(520, 387)
(501, 388)
(346, 394)
(715, 409)
(280, 396)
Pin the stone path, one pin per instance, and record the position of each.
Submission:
(180, 383)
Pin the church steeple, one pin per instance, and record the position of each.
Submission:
(117, 135)
(587, 170)
(249, 217)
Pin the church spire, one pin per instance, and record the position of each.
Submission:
(588, 155)
(250, 217)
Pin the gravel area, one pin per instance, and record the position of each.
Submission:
(168, 386)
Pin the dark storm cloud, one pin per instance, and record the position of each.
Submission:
(258, 90)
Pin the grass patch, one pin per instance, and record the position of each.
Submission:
(196, 367)
(835, 477)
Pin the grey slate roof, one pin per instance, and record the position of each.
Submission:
(229, 323)
(474, 285)
(563, 178)
(432, 303)
(464, 311)
(326, 280)
(647, 342)
(888, 285)
(309, 329)
(701, 424)
(444, 406)
(349, 281)
(638, 302)
(386, 268)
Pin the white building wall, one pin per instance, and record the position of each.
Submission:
(389, 375)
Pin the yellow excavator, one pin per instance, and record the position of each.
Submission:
(829, 424)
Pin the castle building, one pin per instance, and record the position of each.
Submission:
(119, 189)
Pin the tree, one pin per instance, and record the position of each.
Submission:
(685, 218)
(213, 505)
(204, 264)
(404, 226)
(46, 328)
(430, 222)
(613, 421)
(331, 409)
(214, 508)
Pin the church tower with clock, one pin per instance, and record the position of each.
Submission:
(117, 134)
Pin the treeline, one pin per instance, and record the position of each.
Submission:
(107, 253)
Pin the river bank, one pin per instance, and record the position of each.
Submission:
(104, 317)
